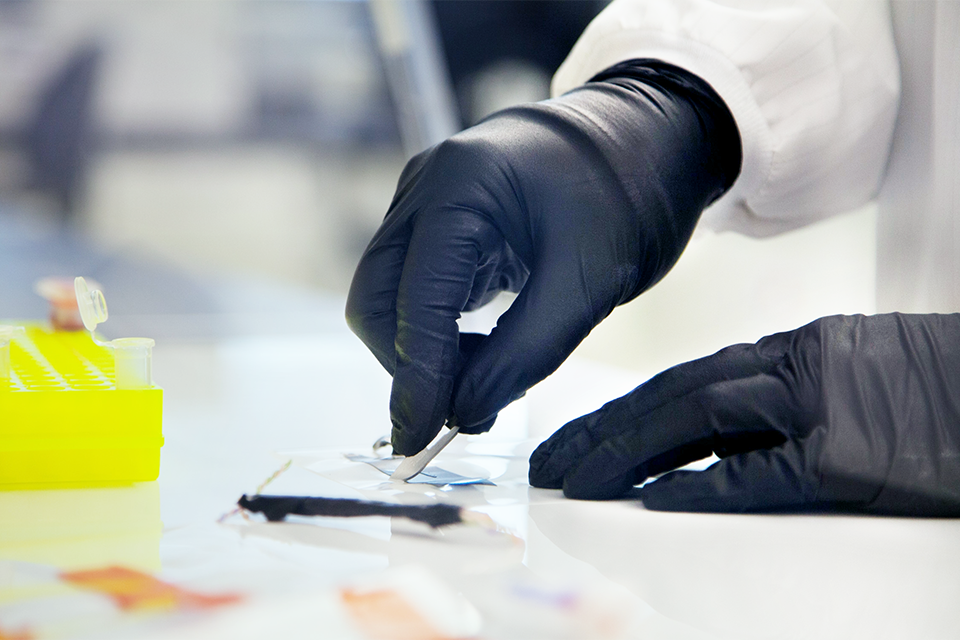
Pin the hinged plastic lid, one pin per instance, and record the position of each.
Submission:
(93, 306)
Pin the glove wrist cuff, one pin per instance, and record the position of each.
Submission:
(722, 142)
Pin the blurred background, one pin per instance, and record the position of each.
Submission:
(219, 166)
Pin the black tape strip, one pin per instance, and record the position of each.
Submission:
(276, 508)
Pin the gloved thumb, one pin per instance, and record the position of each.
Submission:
(551, 316)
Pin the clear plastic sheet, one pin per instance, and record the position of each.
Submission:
(432, 474)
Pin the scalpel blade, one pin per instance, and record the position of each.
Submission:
(412, 465)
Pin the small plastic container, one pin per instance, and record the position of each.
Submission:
(132, 358)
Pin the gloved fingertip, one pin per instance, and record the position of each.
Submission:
(537, 478)
(468, 343)
(671, 493)
(698, 491)
(576, 487)
(543, 474)
(483, 427)
(562, 451)
(485, 384)
(537, 459)
(407, 442)
(754, 481)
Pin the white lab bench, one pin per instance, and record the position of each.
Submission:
(235, 408)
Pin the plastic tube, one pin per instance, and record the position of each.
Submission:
(6, 337)
(132, 357)
(133, 362)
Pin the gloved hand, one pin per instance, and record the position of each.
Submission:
(578, 203)
(851, 413)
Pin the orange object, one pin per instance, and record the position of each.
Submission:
(64, 310)
(136, 591)
(385, 615)
(15, 635)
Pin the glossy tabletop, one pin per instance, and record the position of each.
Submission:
(236, 409)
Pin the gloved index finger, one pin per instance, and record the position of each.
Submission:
(569, 445)
(446, 246)
(371, 308)
(781, 477)
(727, 417)
(552, 314)
(371, 304)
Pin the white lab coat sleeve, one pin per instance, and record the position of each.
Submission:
(813, 86)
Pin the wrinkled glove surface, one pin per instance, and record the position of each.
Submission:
(851, 413)
(579, 203)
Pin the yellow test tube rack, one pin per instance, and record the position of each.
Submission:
(64, 422)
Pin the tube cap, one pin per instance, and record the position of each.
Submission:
(93, 306)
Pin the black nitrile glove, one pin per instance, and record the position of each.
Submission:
(848, 413)
(578, 203)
